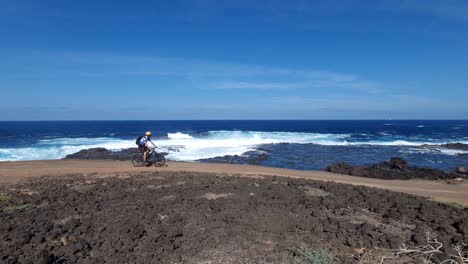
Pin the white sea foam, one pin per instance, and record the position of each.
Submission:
(58, 148)
(178, 135)
(185, 147)
(385, 133)
(452, 151)
(220, 143)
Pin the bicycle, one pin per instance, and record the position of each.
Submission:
(154, 159)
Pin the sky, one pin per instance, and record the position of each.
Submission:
(215, 59)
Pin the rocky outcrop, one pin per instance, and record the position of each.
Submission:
(103, 153)
(456, 146)
(461, 148)
(462, 170)
(395, 168)
(251, 158)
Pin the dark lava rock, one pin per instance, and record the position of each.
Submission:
(252, 158)
(93, 153)
(419, 237)
(340, 167)
(167, 217)
(462, 227)
(43, 257)
(451, 146)
(226, 159)
(397, 163)
(102, 153)
(457, 146)
(259, 159)
(462, 170)
(395, 168)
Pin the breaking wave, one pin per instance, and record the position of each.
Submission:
(186, 147)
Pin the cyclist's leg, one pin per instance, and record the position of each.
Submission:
(145, 155)
(143, 151)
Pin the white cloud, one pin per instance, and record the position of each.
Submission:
(255, 85)
(449, 9)
(370, 87)
(200, 73)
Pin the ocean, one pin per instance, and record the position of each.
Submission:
(297, 144)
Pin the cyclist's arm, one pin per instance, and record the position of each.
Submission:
(154, 145)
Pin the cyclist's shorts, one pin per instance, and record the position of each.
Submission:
(143, 148)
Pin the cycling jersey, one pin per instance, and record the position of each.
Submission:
(144, 140)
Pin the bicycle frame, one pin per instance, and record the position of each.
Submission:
(153, 157)
(152, 153)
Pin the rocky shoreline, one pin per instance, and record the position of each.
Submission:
(450, 146)
(104, 154)
(456, 146)
(395, 168)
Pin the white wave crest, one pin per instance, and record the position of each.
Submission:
(452, 152)
(60, 147)
(220, 143)
(180, 146)
(178, 135)
(185, 147)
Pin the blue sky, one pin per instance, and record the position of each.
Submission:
(211, 59)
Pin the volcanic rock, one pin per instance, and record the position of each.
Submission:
(117, 219)
(395, 168)
(462, 170)
(102, 153)
(457, 146)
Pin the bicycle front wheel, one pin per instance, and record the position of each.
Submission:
(159, 160)
(137, 160)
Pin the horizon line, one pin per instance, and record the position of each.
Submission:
(144, 120)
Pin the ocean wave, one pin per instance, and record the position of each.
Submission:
(180, 146)
(78, 141)
(434, 150)
(58, 148)
(185, 147)
(222, 142)
(178, 135)
(452, 152)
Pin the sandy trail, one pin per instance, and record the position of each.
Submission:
(14, 172)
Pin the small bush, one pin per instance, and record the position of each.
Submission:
(457, 205)
(306, 255)
(4, 198)
(16, 207)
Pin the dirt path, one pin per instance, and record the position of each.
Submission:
(14, 172)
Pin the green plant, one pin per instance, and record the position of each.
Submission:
(456, 204)
(16, 207)
(4, 198)
(306, 255)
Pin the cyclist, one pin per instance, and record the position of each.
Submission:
(144, 145)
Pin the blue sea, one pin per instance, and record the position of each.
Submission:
(297, 144)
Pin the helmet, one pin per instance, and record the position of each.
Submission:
(148, 133)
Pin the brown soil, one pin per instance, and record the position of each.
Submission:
(189, 217)
(15, 172)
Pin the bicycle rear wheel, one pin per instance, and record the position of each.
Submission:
(137, 160)
(159, 160)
